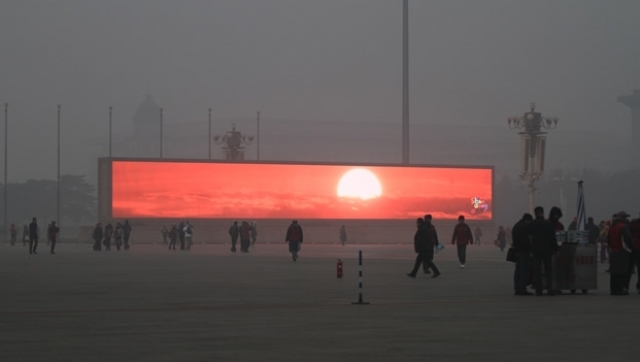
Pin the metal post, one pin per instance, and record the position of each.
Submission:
(405, 82)
(58, 196)
(209, 133)
(6, 149)
(258, 138)
(160, 132)
(110, 108)
(360, 301)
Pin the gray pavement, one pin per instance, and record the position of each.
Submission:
(207, 304)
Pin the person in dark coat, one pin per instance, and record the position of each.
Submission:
(634, 263)
(126, 233)
(543, 246)
(97, 237)
(554, 218)
(573, 226)
(594, 231)
(620, 245)
(33, 236)
(108, 233)
(422, 244)
(462, 236)
(245, 237)
(521, 236)
(117, 234)
(234, 231)
(294, 238)
(428, 221)
(343, 235)
(52, 233)
(173, 236)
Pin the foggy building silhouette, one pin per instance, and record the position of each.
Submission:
(633, 102)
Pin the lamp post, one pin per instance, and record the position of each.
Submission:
(6, 149)
(161, 132)
(258, 137)
(58, 193)
(233, 143)
(405, 82)
(110, 108)
(533, 146)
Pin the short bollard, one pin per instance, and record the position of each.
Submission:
(339, 268)
(360, 301)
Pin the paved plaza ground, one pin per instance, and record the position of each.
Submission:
(207, 304)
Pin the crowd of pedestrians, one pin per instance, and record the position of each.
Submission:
(121, 235)
(535, 245)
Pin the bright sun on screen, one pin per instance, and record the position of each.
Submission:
(359, 183)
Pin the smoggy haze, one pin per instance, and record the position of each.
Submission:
(472, 63)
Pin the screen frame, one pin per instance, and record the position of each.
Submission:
(105, 174)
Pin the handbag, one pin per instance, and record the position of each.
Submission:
(511, 255)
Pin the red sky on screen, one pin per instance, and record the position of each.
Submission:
(278, 191)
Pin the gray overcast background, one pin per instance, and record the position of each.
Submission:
(472, 62)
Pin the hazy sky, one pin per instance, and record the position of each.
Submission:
(472, 62)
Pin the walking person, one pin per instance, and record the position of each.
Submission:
(14, 234)
(502, 238)
(234, 231)
(543, 246)
(108, 233)
(477, 233)
(294, 238)
(343, 235)
(181, 230)
(423, 246)
(173, 236)
(33, 236)
(245, 237)
(117, 234)
(126, 234)
(521, 236)
(97, 237)
(52, 233)
(188, 236)
(620, 246)
(462, 236)
(433, 234)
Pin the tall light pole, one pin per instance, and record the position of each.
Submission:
(405, 82)
(209, 133)
(161, 132)
(58, 196)
(533, 146)
(6, 158)
(258, 137)
(110, 109)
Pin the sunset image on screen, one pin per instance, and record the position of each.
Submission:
(164, 189)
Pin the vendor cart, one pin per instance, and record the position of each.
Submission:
(575, 264)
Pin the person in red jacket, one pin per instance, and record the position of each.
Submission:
(554, 218)
(463, 236)
(619, 255)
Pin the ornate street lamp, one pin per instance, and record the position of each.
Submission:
(233, 143)
(533, 146)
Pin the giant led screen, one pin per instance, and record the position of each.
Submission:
(167, 189)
